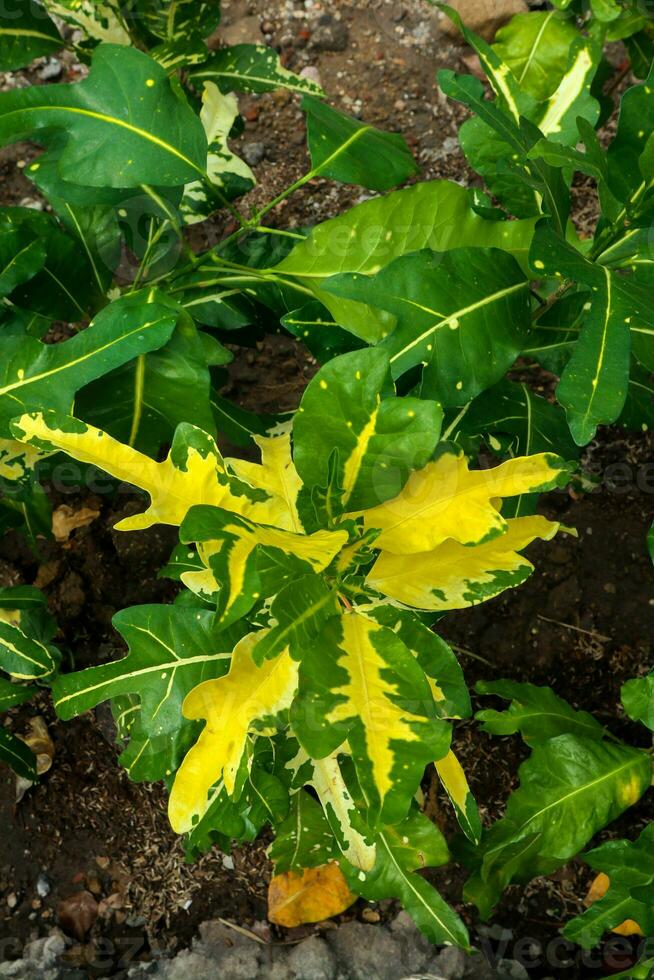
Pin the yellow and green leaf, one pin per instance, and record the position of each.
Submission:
(453, 576)
(453, 778)
(359, 682)
(231, 707)
(447, 500)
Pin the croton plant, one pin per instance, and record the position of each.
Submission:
(297, 681)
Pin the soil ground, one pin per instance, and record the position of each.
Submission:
(583, 623)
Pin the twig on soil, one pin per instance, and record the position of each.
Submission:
(577, 629)
(475, 656)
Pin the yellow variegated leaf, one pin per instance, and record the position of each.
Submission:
(447, 500)
(231, 705)
(17, 459)
(227, 545)
(453, 576)
(339, 807)
(276, 474)
(454, 780)
(193, 473)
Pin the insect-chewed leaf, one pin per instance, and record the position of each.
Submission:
(231, 705)
(276, 474)
(311, 895)
(125, 123)
(26, 33)
(536, 712)
(23, 656)
(630, 869)
(251, 68)
(353, 152)
(36, 375)
(453, 778)
(240, 555)
(637, 697)
(350, 409)
(193, 473)
(447, 500)
(358, 681)
(570, 787)
(304, 839)
(228, 174)
(453, 575)
(402, 850)
(172, 650)
(435, 214)
(439, 663)
(463, 313)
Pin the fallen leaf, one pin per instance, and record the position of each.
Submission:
(39, 741)
(65, 520)
(315, 894)
(598, 889)
(77, 914)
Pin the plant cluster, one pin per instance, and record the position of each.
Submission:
(296, 681)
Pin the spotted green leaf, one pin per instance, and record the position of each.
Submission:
(36, 375)
(26, 32)
(125, 124)
(251, 68)
(350, 410)
(464, 314)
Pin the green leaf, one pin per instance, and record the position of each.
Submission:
(637, 696)
(463, 313)
(62, 285)
(536, 47)
(171, 19)
(435, 214)
(402, 851)
(312, 325)
(36, 375)
(26, 32)
(353, 152)
(358, 681)
(125, 123)
(536, 712)
(570, 788)
(535, 424)
(298, 613)
(16, 754)
(171, 650)
(631, 167)
(251, 68)
(630, 868)
(11, 694)
(142, 402)
(23, 656)
(304, 839)
(349, 408)
(593, 386)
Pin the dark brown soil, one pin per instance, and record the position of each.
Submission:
(583, 623)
